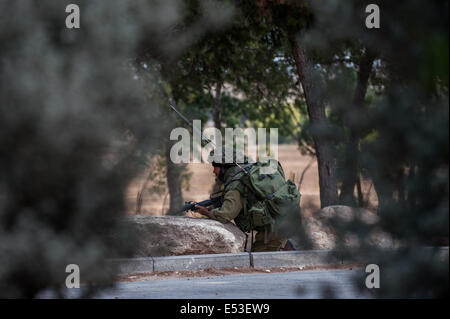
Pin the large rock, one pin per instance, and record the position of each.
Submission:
(321, 228)
(169, 235)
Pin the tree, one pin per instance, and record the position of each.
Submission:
(403, 132)
(318, 120)
(351, 179)
(288, 19)
(179, 81)
(71, 144)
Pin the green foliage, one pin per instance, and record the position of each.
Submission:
(402, 125)
(82, 113)
(74, 126)
(404, 136)
(79, 119)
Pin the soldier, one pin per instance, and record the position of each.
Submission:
(236, 201)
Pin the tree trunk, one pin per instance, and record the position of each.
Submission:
(173, 171)
(351, 164)
(317, 117)
(173, 175)
(359, 190)
(218, 107)
(218, 125)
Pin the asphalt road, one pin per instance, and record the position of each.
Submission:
(289, 285)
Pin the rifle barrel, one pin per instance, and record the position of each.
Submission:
(216, 202)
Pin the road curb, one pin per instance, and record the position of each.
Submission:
(230, 260)
(299, 259)
(197, 262)
(133, 265)
(294, 259)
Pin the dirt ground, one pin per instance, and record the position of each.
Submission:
(161, 275)
(202, 180)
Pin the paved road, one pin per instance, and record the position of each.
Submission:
(290, 285)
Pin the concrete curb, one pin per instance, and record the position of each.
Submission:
(231, 260)
(294, 259)
(197, 262)
(133, 265)
(239, 260)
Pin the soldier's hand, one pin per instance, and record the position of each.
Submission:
(202, 210)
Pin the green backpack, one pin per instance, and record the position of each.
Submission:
(267, 197)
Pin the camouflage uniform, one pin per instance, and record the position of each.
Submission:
(234, 199)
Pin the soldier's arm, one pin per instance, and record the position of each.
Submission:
(232, 205)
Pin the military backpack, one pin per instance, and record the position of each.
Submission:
(266, 196)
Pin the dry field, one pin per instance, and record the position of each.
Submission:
(202, 180)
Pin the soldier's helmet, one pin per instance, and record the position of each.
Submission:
(226, 161)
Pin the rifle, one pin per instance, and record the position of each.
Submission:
(215, 202)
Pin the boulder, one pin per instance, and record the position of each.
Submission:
(173, 235)
(320, 228)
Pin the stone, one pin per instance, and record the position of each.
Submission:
(347, 214)
(321, 231)
(176, 235)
